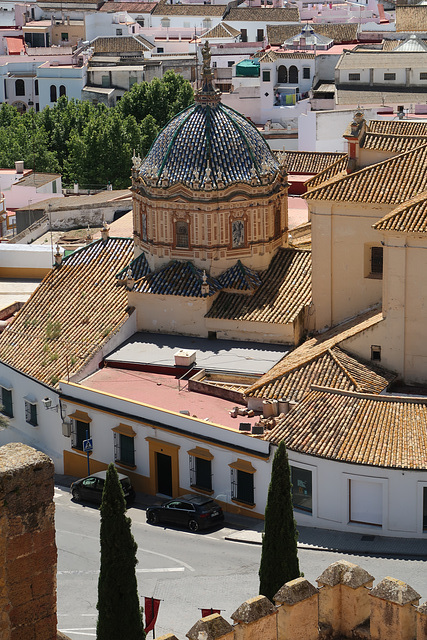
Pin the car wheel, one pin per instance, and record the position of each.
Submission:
(193, 525)
(76, 495)
(152, 517)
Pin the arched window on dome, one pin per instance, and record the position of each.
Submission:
(282, 75)
(293, 74)
(182, 234)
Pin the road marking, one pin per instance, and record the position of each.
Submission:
(78, 632)
(154, 553)
(96, 571)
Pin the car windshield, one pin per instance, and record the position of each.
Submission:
(210, 504)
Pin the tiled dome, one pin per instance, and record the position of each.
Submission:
(209, 143)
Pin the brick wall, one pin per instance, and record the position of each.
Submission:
(27, 545)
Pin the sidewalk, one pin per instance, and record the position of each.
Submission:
(249, 530)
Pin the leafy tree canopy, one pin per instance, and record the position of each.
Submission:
(92, 144)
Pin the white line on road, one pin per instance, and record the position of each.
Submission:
(154, 553)
(93, 571)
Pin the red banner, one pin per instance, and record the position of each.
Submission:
(151, 608)
(209, 612)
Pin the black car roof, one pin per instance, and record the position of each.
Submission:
(195, 498)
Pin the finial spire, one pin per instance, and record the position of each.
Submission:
(207, 94)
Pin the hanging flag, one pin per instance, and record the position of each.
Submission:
(151, 608)
(209, 612)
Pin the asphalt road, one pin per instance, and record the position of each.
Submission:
(186, 571)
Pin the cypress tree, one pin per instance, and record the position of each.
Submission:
(119, 611)
(279, 557)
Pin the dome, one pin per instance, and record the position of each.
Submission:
(209, 145)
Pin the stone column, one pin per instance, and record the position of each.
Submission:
(344, 597)
(27, 545)
(256, 618)
(297, 613)
(393, 614)
(212, 627)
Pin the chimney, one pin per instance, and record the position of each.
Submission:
(58, 257)
(105, 231)
(19, 167)
(130, 280)
(205, 285)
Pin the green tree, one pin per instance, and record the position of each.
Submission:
(119, 611)
(279, 557)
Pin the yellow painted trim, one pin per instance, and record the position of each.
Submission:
(76, 465)
(31, 272)
(243, 504)
(242, 465)
(198, 452)
(204, 491)
(171, 450)
(125, 430)
(141, 404)
(81, 416)
(164, 428)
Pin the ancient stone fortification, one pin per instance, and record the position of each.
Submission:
(27, 545)
(345, 605)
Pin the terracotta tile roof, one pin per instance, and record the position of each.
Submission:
(164, 9)
(338, 168)
(341, 33)
(382, 431)
(332, 368)
(259, 14)
(365, 59)
(37, 179)
(398, 127)
(130, 7)
(320, 344)
(300, 237)
(285, 290)
(390, 45)
(410, 217)
(177, 279)
(239, 277)
(411, 18)
(139, 268)
(311, 161)
(122, 44)
(271, 56)
(391, 143)
(71, 315)
(391, 181)
(221, 30)
(366, 95)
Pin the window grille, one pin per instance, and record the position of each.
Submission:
(242, 486)
(200, 473)
(31, 413)
(79, 431)
(377, 260)
(6, 401)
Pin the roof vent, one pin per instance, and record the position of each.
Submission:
(19, 166)
(185, 358)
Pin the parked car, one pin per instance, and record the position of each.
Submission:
(91, 488)
(192, 510)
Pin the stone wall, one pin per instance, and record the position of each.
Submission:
(27, 545)
(344, 605)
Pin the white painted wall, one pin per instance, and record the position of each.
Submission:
(216, 439)
(47, 435)
(24, 256)
(323, 130)
(73, 78)
(107, 24)
(401, 497)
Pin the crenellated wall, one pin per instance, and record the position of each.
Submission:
(344, 605)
